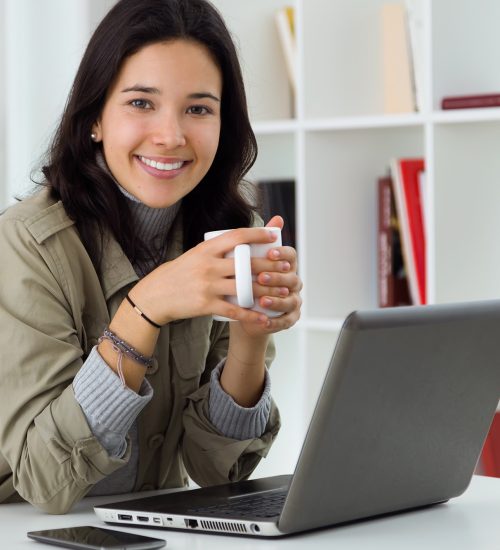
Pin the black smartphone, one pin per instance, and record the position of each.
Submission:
(95, 538)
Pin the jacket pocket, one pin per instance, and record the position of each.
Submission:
(189, 344)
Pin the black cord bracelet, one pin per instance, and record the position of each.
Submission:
(143, 315)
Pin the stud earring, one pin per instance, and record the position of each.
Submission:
(93, 136)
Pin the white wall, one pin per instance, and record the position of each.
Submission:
(2, 103)
(43, 41)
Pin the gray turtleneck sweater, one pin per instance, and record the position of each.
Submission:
(111, 409)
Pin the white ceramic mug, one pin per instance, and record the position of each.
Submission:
(242, 255)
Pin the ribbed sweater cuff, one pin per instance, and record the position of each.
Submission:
(110, 408)
(231, 419)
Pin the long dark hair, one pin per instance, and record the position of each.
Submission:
(89, 195)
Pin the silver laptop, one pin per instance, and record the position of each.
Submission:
(402, 416)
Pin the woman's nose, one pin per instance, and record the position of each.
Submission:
(169, 132)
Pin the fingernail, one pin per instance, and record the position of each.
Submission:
(266, 277)
(285, 266)
(272, 235)
(275, 253)
(284, 291)
(266, 302)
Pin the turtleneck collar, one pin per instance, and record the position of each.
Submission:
(151, 224)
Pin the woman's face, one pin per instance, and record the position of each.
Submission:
(161, 121)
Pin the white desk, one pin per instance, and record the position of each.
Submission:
(470, 522)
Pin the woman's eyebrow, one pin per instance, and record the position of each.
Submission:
(203, 95)
(152, 90)
(142, 89)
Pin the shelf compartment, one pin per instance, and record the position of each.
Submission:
(467, 206)
(340, 182)
(466, 48)
(266, 80)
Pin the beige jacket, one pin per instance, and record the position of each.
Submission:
(53, 308)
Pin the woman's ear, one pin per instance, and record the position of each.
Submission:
(96, 132)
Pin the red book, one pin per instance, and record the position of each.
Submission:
(471, 101)
(406, 175)
(490, 457)
(392, 281)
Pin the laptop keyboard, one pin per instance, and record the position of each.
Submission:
(256, 506)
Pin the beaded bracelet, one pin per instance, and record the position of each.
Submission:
(123, 348)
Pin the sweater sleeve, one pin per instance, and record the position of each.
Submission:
(110, 407)
(231, 419)
(210, 456)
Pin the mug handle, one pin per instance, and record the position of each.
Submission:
(243, 275)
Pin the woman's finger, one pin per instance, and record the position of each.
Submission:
(285, 305)
(226, 242)
(272, 279)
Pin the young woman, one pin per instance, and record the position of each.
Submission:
(114, 375)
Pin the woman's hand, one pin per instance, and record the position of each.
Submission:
(277, 288)
(196, 282)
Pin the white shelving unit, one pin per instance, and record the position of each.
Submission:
(340, 141)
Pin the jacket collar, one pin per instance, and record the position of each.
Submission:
(48, 218)
(116, 269)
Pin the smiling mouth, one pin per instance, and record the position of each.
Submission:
(163, 166)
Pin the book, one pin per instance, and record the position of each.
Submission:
(415, 19)
(470, 101)
(489, 462)
(277, 197)
(398, 76)
(409, 207)
(392, 280)
(285, 24)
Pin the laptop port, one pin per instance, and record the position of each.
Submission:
(142, 518)
(125, 516)
(156, 520)
(193, 523)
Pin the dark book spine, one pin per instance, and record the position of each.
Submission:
(384, 252)
(277, 197)
(471, 102)
(392, 281)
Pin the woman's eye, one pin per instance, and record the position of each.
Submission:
(140, 104)
(198, 110)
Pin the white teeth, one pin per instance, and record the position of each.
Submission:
(162, 165)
